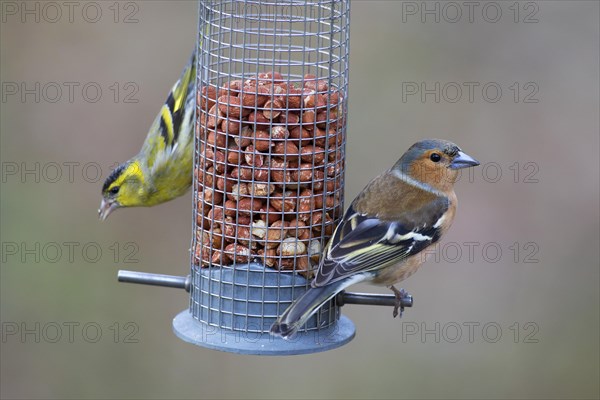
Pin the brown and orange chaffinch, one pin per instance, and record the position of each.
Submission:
(395, 217)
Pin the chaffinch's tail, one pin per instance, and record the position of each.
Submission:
(306, 305)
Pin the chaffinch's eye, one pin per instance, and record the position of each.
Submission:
(114, 190)
(435, 157)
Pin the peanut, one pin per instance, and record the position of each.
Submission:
(275, 233)
(238, 252)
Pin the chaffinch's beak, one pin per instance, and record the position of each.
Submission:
(463, 160)
(106, 207)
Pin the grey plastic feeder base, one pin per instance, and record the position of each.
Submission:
(193, 331)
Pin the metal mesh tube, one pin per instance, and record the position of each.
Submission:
(269, 161)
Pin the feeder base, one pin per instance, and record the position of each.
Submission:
(193, 331)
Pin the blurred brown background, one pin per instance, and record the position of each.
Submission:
(520, 323)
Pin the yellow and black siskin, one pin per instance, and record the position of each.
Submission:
(162, 170)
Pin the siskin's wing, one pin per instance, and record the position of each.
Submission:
(171, 133)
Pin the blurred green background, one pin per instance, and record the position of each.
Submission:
(520, 323)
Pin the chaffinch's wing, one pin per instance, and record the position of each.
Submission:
(370, 241)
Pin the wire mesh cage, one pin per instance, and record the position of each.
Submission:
(270, 135)
(269, 165)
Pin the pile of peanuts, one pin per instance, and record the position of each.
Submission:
(269, 171)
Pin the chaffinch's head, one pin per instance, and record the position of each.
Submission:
(435, 162)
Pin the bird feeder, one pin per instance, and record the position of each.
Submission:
(270, 135)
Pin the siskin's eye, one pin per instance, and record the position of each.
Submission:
(114, 190)
(435, 157)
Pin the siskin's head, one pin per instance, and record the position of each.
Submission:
(435, 162)
(123, 188)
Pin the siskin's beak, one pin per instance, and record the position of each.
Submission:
(463, 160)
(106, 207)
